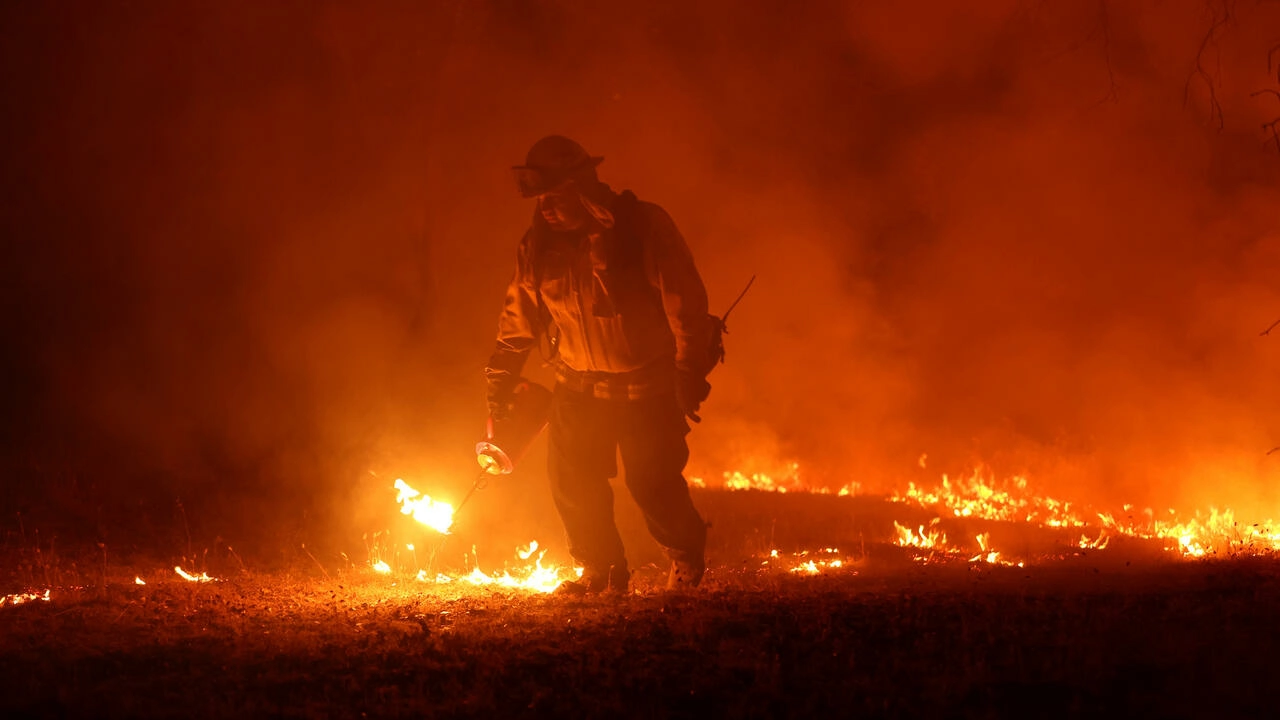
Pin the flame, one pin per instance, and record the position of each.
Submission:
(919, 538)
(806, 565)
(787, 481)
(813, 567)
(439, 516)
(977, 497)
(434, 514)
(1215, 533)
(989, 556)
(525, 553)
(980, 497)
(537, 578)
(21, 598)
(1098, 543)
(202, 577)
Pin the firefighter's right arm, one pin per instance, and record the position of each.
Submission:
(518, 330)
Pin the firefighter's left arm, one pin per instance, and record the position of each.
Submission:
(684, 297)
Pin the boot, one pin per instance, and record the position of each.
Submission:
(685, 575)
(598, 581)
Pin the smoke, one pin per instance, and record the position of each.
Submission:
(258, 251)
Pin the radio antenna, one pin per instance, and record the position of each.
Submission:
(725, 317)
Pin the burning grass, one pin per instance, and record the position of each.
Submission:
(1212, 533)
(958, 600)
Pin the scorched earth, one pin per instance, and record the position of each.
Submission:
(970, 599)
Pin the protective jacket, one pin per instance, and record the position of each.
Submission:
(622, 295)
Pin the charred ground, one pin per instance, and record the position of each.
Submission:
(1122, 631)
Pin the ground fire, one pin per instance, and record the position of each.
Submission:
(978, 497)
(253, 257)
(405, 595)
(1008, 504)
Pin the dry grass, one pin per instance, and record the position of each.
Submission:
(1117, 632)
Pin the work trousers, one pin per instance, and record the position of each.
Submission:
(586, 435)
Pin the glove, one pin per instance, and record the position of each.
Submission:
(691, 390)
(501, 401)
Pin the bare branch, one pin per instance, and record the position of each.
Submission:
(1105, 25)
(1270, 327)
(1210, 80)
(1273, 127)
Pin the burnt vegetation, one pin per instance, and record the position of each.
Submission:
(890, 633)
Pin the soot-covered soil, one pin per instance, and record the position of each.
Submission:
(882, 636)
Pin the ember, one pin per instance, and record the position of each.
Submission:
(806, 563)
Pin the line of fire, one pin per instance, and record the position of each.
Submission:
(552, 358)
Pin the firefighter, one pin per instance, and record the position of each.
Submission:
(607, 282)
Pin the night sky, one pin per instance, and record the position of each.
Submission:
(257, 249)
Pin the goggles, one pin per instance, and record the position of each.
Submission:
(532, 182)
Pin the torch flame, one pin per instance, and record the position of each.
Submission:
(434, 514)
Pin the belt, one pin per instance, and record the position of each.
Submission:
(632, 384)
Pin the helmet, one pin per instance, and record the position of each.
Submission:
(550, 162)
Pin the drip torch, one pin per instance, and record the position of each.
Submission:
(507, 440)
